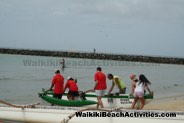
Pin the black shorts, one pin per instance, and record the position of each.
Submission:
(123, 91)
(73, 93)
(58, 96)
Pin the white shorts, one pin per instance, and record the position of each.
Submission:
(138, 94)
(100, 92)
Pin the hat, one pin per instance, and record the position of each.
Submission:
(132, 75)
(69, 78)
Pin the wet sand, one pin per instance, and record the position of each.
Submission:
(174, 103)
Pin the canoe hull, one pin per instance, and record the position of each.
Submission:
(65, 102)
(122, 100)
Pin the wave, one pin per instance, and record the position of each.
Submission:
(5, 78)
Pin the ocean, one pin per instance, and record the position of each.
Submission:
(22, 77)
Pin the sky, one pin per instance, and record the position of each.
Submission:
(140, 27)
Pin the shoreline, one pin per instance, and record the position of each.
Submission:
(94, 55)
(172, 103)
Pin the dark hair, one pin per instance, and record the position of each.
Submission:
(99, 69)
(110, 75)
(71, 78)
(144, 80)
(57, 71)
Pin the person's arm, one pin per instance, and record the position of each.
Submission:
(53, 82)
(149, 90)
(111, 88)
(64, 89)
(133, 87)
(96, 82)
(66, 86)
(51, 87)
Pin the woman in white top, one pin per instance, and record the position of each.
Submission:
(139, 90)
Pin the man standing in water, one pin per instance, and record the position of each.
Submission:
(57, 83)
(100, 85)
(63, 63)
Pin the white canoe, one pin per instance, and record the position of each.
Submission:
(49, 114)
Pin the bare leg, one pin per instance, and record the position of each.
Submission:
(142, 103)
(100, 102)
(97, 106)
(135, 101)
(69, 97)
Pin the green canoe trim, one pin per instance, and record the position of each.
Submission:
(146, 96)
(67, 102)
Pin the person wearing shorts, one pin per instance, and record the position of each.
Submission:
(100, 86)
(140, 86)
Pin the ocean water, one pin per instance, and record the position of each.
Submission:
(22, 77)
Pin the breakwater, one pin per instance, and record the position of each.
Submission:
(88, 55)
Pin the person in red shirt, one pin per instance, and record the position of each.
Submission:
(73, 88)
(100, 85)
(57, 83)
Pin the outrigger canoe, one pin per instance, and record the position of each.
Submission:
(55, 114)
(90, 100)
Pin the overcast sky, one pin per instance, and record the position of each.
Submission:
(144, 27)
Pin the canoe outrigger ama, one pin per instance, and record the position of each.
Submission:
(90, 99)
(56, 114)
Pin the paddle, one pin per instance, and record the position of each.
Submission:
(43, 92)
(89, 91)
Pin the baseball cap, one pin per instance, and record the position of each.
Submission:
(70, 78)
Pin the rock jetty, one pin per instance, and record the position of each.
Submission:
(92, 55)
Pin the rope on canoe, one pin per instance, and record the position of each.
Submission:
(88, 109)
(19, 106)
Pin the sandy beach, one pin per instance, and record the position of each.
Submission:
(174, 103)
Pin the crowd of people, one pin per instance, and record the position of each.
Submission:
(138, 86)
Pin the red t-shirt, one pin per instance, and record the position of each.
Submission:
(71, 85)
(100, 77)
(58, 81)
